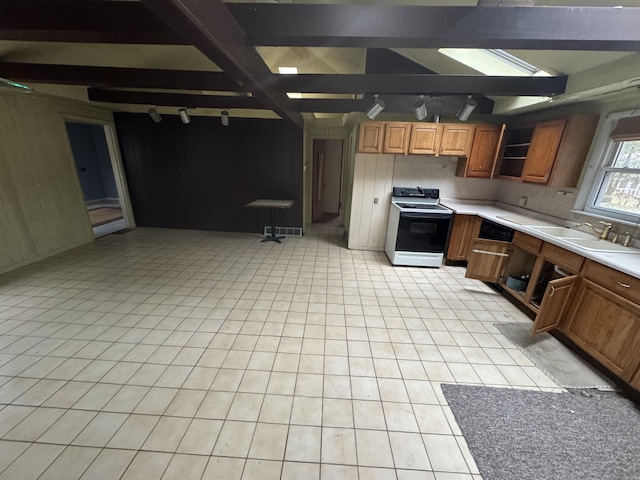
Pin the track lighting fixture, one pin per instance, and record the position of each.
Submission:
(465, 111)
(420, 108)
(184, 115)
(224, 118)
(155, 116)
(375, 109)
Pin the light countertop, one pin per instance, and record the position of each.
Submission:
(628, 263)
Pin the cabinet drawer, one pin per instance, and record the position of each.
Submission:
(624, 285)
(527, 242)
(563, 258)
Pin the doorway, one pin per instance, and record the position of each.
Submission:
(95, 168)
(327, 180)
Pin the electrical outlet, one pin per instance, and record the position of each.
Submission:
(523, 201)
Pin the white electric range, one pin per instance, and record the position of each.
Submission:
(419, 227)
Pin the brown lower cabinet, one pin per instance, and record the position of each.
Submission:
(465, 229)
(595, 306)
(607, 326)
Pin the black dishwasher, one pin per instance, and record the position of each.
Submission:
(493, 231)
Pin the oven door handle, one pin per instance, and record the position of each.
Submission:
(421, 216)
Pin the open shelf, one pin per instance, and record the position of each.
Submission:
(515, 151)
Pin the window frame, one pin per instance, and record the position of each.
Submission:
(602, 158)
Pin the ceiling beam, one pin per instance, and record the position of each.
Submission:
(117, 77)
(410, 84)
(84, 22)
(214, 31)
(416, 84)
(394, 103)
(539, 28)
(173, 99)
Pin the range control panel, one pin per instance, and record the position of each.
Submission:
(419, 192)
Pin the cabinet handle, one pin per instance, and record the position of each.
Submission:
(553, 290)
(485, 252)
(623, 285)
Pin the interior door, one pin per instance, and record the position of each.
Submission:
(318, 180)
(554, 304)
(487, 259)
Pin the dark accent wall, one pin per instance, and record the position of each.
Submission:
(201, 175)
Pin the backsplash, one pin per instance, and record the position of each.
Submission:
(541, 199)
(439, 172)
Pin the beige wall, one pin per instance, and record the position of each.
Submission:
(439, 172)
(42, 212)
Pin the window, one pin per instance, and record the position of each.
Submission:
(616, 190)
(493, 62)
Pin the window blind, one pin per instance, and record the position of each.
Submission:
(626, 130)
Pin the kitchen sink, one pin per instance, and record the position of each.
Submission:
(597, 245)
(561, 232)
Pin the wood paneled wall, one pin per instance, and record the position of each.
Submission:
(372, 186)
(42, 211)
(201, 175)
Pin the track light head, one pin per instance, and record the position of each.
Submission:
(465, 111)
(420, 108)
(375, 109)
(184, 115)
(224, 118)
(155, 116)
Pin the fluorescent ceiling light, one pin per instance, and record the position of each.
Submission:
(14, 86)
(493, 62)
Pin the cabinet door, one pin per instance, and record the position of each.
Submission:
(554, 304)
(456, 139)
(542, 151)
(396, 137)
(425, 138)
(465, 229)
(487, 259)
(370, 201)
(484, 151)
(607, 327)
(370, 137)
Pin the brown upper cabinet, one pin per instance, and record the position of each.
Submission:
(416, 138)
(547, 153)
(396, 137)
(370, 137)
(425, 138)
(484, 152)
(456, 139)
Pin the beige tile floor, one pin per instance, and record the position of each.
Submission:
(168, 354)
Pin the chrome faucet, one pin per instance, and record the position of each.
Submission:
(605, 230)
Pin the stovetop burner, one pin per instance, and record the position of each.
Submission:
(421, 206)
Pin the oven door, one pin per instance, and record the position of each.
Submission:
(423, 232)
